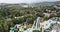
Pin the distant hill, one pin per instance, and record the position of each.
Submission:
(47, 3)
(32, 4)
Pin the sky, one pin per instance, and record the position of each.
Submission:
(24, 1)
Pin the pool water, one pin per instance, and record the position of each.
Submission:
(26, 31)
(11, 29)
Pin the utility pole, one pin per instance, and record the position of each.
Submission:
(42, 29)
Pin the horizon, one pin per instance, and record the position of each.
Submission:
(25, 1)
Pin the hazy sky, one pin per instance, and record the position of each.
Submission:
(24, 1)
